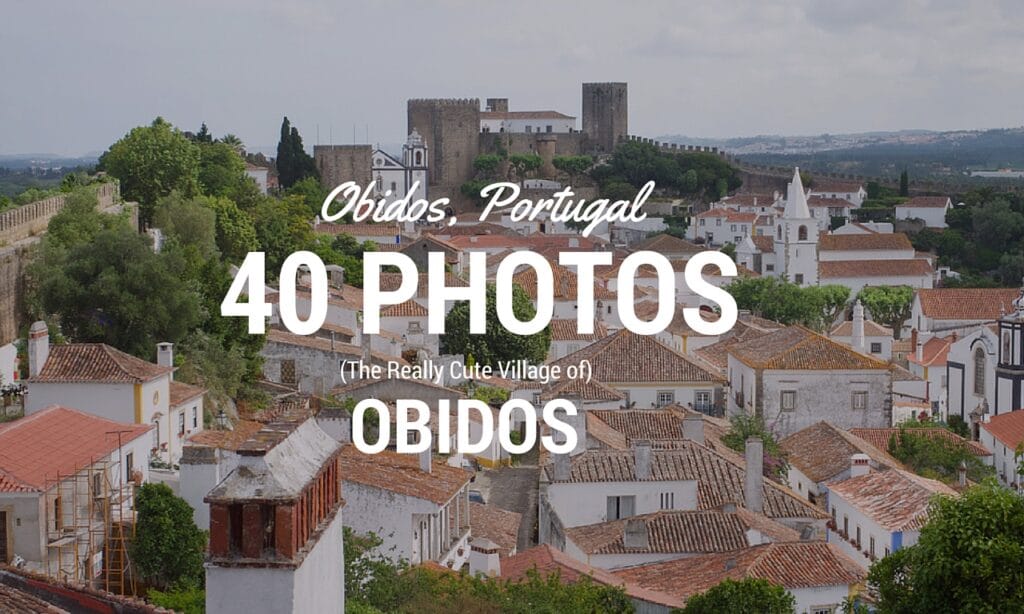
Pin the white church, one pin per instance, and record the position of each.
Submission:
(394, 178)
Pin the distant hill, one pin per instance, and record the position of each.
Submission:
(883, 154)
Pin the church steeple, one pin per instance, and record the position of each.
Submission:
(796, 199)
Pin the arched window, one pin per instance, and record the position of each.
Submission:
(778, 234)
(419, 158)
(801, 233)
(979, 371)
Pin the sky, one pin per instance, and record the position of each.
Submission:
(78, 74)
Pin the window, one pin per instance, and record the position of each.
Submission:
(860, 399)
(702, 220)
(871, 545)
(129, 466)
(536, 398)
(769, 267)
(979, 371)
(181, 422)
(887, 551)
(846, 524)
(621, 507)
(732, 228)
(778, 233)
(666, 397)
(858, 536)
(419, 158)
(394, 188)
(702, 400)
(195, 417)
(718, 221)
(529, 128)
(801, 233)
(876, 348)
(822, 609)
(799, 277)
(547, 128)
(788, 400)
(668, 500)
(1007, 346)
(288, 371)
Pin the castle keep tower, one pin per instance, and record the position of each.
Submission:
(451, 133)
(605, 114)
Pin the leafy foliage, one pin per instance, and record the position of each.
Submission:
(168, 548)
(497, 344)
(936, 457)
(889, 305)
(742, 427)
(688, 174)
(749, 595)
(969, 558)
(186, 601)
(293, 163)
(776, 299)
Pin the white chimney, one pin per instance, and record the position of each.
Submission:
(560, 471)
(484, 558)
(634, 535)
(753, 491)
(38, 347)
(858, 327)
(693, 428)
(642, 459)
(860, 464)
(427, 460)
(754, 537)
(165, 354)
(335, 275)
(961, 474)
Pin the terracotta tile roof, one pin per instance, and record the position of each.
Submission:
(475, 228)
(820, 187)
(324, 345)
(797, 348)
(933, 352)
(822, 451)
(564, 284)
(360, 230)
(895, 499)
(488, 241)
(821, 201)
(667, 244)
(739, 217)
(180, 392)
(890, 241)
(524, 115)
(96, 362)
(408, 309)
(57, 440)
(717, 353)
(675, 531)
(644, 424)
(879, 437)
(565, 330)
(904, 267)
(546, 560)
(791, 565)
(599, 430)
(626, 357)
(749, 200)
(390, 282)
(1007, 428)
(592, 390)
(14, 600)
(927, 201)
(400, 473)
(764, 243)
(966, 303)
(871, 329)
(719, 479)
(225, 439)
(493, 523)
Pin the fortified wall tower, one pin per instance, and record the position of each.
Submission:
(605, 115)
(451, 128)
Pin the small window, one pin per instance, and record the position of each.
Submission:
(288, 371)
(129, 466)
(846, 524)
(668, 500)
(860, 399)
(871, 545)
(195, 417)
(718, 221)
(858, 536)
(58, 514)
(801, 233)
(548, 129)
(621, 507)
(769, 267)
(181, 422)
(732, 228)
(979, 372)
(702, 400)
(876, 348)
(788, 400)
(666, 397)
(529, 128)
(536, 398)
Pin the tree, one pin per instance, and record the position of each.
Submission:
(311, 192)
(742, 427)
(969, 557)
(235, 232)
(904, 183)
(167, 550)
(574, 166)
(889, 305)
(282, 227)
(221, 169)
(79, 221)
(829, 301)
(998, 224)
(487, 165)
(234, 142)
(776, 299)
(152, 161)
(938, 458)
(293, 163)
(749, 595)
(497, 344)
(203, 136)
(524, 164)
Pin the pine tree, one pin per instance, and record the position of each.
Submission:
(904, 183)
(293, 163)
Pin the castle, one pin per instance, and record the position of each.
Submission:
(454, 131)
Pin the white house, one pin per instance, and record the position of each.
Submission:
(795, 377)
(418, 506)
(106, 382)
(852, 192)
(721, 226)
(58, 469)
(875, 513)
(971, 373)
(929, 209)
(259, 174)
(395, 178)
(857, 274)
(865, 336)
(565, 340)
(1004, 435)
(929, 363)
(498, 118)
(944, 310)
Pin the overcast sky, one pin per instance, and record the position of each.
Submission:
(77, 75)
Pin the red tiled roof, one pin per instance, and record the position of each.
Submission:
(933, 352)
(225, 439)
(180, 392)
(822, 451)
(821, 201)
(822, 186)
(1008, 428)
(667, 244)
(400, 473)
(729, 215)
(764, 243)
(564, 283)
(871, 329)
(408, 309)
(909, 267)
(56, 441)
(629, 357)
(939, 202)
(798, 348)
(592, 390)
(791, 565)
(471, 242)
(879, 437)
(96, 362)
(895, 499)
(565, 330)
(966, 303)
(325, 345)
(389, 282)
(359, 230)
(890, 241)
(493, 523)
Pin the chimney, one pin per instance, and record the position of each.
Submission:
(38, 347)
(364, 340)
(427, 460)
(304, 276)
(574, 242)
(728, 508)
(859, 465)
(634, 535)
(754, 537)
(961, 474)
(919, 350)
(165, 355)
(560, 472)
(484, 558)
(730, 564)
(753, 491)
(335, 275)
(693, 428)
(642, 459)
(858, 327)
(913, 340)
(563, 285)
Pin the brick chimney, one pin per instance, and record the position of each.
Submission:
(860, 465)
(642, 459)
(753, 490)
(38, 347)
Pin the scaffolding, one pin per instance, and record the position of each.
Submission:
(89, 524)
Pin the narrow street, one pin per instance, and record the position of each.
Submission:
(515, 489)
